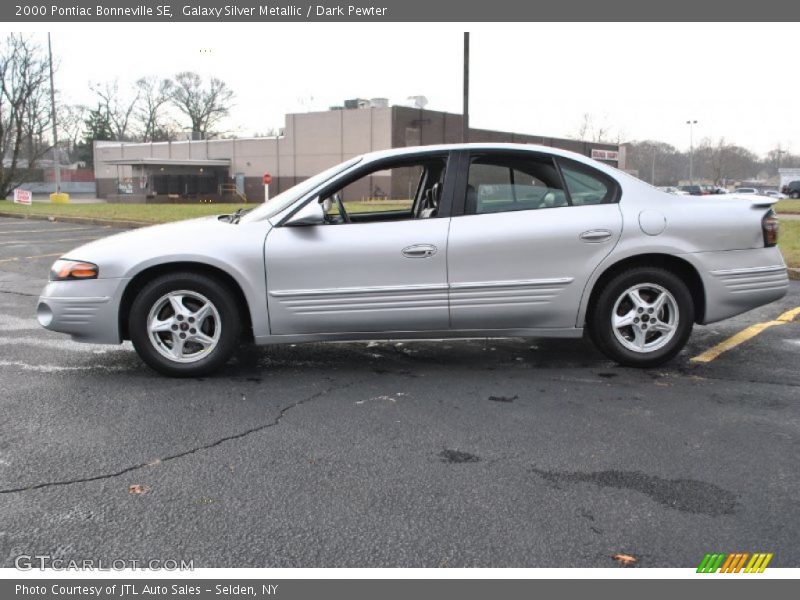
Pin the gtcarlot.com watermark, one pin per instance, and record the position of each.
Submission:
(45, 562)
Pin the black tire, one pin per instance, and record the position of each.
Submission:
(601, 330)
(795, 195)
(217, 293)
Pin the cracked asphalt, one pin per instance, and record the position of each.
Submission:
(482, 453)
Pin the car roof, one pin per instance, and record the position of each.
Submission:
(399, 152)
(617, 174)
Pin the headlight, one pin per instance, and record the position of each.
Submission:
(65, 269)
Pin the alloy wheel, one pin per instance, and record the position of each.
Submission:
(184, 326)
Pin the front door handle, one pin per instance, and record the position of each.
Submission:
(419, 251)
(595, 236)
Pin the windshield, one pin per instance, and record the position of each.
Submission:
(283, 200)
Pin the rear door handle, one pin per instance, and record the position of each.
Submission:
(595, 236)
(419, 251)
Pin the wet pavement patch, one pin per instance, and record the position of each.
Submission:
(503, 398)
(685, 495)
(457, 456)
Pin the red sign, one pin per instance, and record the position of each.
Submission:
(598, 154)
(22, 196)
(267, 178)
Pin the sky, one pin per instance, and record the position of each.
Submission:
(638, 80)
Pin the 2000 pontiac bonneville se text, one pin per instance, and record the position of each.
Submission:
(469, 240)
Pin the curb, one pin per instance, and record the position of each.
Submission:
(794, 273)
(79, 220)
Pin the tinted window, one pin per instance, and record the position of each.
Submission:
(587, 186)
(503, 183)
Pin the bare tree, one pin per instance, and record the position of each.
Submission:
(592, 129)
(154, 94)
(204, 104)
(71, 127)
(118, 108)
(656, 162)
(720, 161)
(584, 129)
(25, 115)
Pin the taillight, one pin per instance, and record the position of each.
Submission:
(769, 227)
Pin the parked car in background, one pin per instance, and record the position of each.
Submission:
(479, 240)
(775, 194)
(792, 189)
(692, 190)
(670, 189)
(747, 190)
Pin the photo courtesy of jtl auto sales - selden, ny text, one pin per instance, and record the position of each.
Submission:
(399, 300)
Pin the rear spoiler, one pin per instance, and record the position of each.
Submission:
(763, 202)
(755, 201)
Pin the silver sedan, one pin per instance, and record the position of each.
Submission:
(476, 240)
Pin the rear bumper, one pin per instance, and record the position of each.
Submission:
(86, 310)
(736, 281)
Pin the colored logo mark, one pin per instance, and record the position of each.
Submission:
(735, 563)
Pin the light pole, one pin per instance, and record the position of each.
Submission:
(56, 157)
(691, 125)
(780, 154)
(465, 117)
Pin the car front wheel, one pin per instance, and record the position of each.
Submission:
(184, 324)
(643, 317)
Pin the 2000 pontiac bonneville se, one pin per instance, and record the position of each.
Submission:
(439, 241)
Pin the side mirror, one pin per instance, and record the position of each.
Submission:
(311, 214)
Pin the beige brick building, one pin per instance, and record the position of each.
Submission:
(310, 142)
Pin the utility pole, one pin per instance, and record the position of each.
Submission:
(465, 118)
(56, 159)
(691, 125)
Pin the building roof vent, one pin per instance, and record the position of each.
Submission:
(419, 101)
(356, 103)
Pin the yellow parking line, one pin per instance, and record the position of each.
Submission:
(14, 258)
(789, 315)
(744, 335)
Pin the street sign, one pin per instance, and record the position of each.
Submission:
(22, 196)
(267, 178)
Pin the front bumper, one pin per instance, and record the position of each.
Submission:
(88, 310)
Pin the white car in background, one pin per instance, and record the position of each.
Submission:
(747, 191)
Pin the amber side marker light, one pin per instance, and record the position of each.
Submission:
(65, 269)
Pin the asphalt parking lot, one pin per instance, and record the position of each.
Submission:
(483, 453)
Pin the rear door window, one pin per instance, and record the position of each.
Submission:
(505, 183)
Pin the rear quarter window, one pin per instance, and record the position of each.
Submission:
(588, 186)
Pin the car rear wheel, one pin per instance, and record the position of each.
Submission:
(643, 317)
(185, 324)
